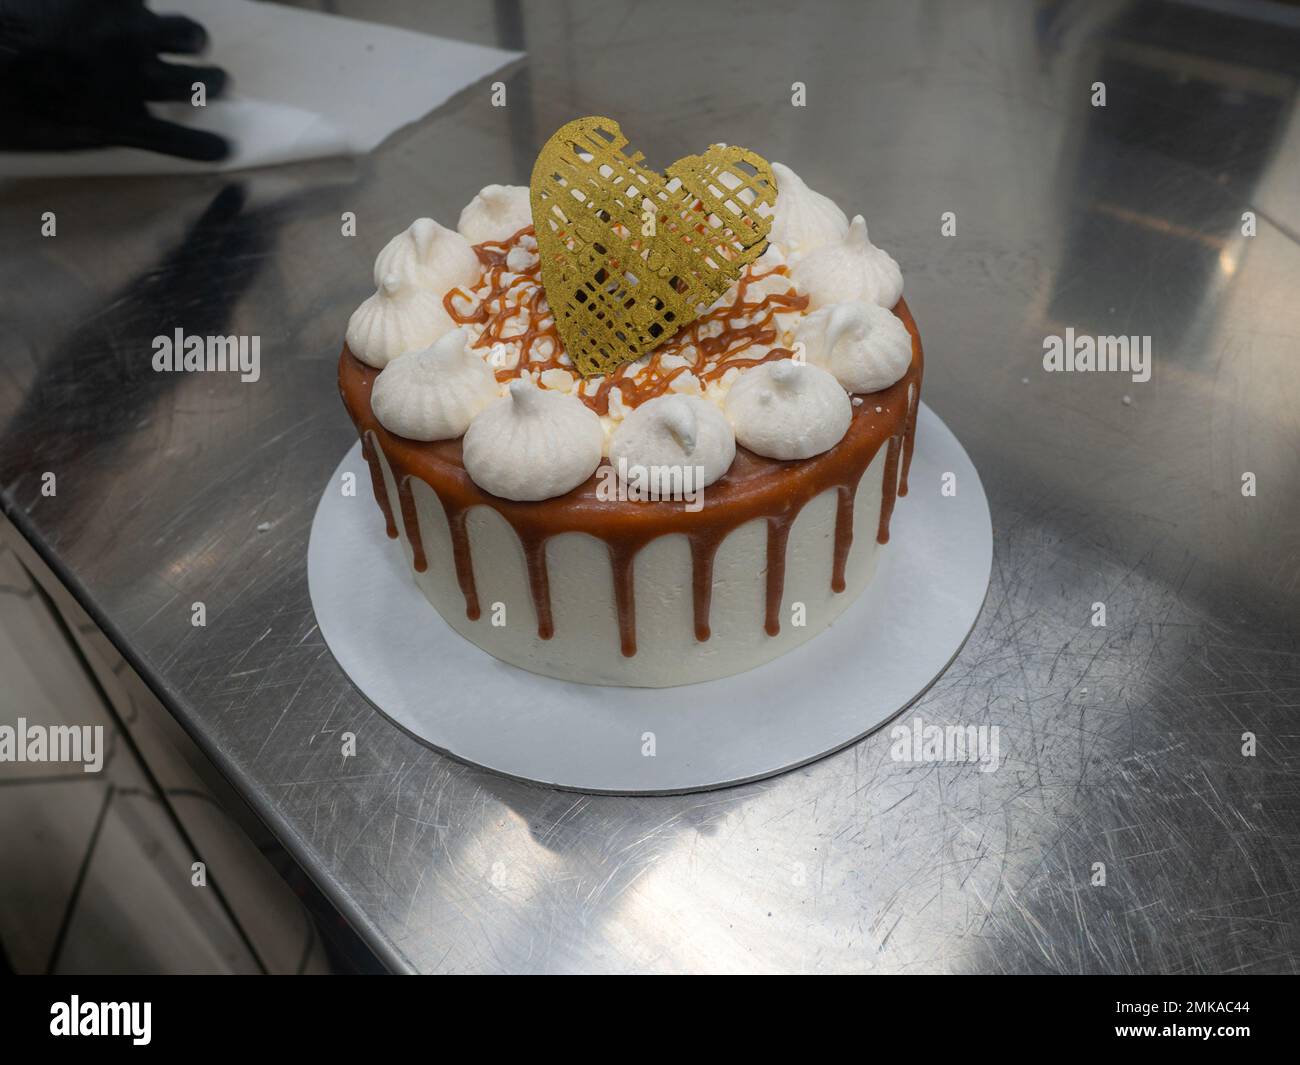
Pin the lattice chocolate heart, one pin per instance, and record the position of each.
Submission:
(629, 256)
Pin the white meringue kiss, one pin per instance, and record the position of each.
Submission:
(430, 255)
(434, 394)
(788, 410)
(400, 317)
(673, 433)
(866, 347)
(498, 212)
(849, 269)
(804, 220)
(533, 444)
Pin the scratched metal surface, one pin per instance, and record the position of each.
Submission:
(1119, 745)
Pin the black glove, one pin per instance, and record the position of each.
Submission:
(76, 74)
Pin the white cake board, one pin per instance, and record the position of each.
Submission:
(881, 654)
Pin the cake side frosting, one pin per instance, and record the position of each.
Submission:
(754, 488)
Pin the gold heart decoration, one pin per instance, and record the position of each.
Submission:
(629, 256)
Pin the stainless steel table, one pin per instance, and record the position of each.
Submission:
(1120, 745)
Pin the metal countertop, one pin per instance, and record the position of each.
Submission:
(1119, 745)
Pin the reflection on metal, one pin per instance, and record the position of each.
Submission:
(99, 872)
(1160, 225)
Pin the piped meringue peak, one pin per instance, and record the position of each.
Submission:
(804, 220)
(429, 255)
(673, 433)
(865, 346)
(401, 316)
(532, 444)
(497, 213)
(435, 393)
(848, 270)
(788, 410)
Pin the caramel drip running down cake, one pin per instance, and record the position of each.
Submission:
(688, 515)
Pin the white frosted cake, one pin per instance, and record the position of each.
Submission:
(695, 512)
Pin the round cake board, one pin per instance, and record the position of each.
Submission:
(881, 654)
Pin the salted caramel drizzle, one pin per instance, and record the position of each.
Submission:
(888, 499)
(778, 535)
(539, 583)
(754, 487)
(411, 523)
(709, 357)
(623, 559)
(843, 534)
(377, 483)
(704, 548)
(464, 564)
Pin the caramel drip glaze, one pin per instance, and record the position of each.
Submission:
(754, 487)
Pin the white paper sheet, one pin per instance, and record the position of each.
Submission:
(304, 85)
